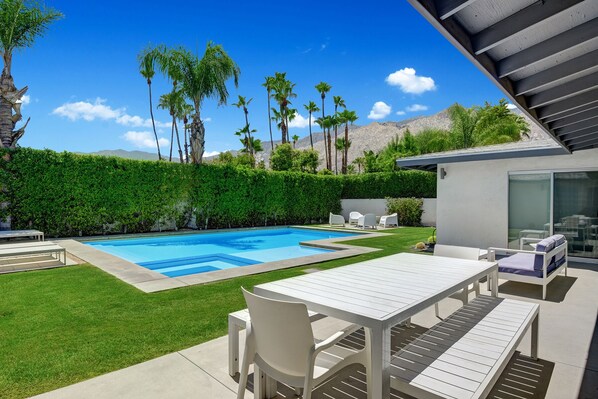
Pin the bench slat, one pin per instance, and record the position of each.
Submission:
(443, 360)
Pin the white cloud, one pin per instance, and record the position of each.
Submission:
(25, 100)
(210, 153)
(89, 112)
(144, 139)
(301, 122)
(380, 110)
(208, 119)
(407, 80)
(416, 108)
(511, 106)
(400, 112)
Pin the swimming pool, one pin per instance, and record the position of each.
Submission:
(182, 255)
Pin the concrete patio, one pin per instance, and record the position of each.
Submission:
(568, 365)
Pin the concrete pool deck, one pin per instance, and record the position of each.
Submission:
(150, 281)
(567, 368)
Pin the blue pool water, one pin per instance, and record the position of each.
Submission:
(204, 252)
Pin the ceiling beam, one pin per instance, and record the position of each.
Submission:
(583, 139)
(588, 123)
(561, 71)
(585, 146)
(514, 24)
(572, 120)
(555, 45)
(446, 8)
(569, 89)
(587, 130)
(573, 103)
(579, 110)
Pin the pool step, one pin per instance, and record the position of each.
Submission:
(191, 260)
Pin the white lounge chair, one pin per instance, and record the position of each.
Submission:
(336, 220)
(367, 220)
(280, 343)
(389, 220)
(454, 251)
(354, 217)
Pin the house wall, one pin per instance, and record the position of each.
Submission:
(378, 207)
(472, 208)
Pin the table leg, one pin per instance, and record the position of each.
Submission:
(378, 369)
(494, 284)
(535, 328)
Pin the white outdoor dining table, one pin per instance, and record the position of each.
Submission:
(379, 294)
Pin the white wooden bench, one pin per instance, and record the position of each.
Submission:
(24, 249)
(236, 322)
(38, 235)
(463, 356)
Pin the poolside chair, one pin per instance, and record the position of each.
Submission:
(540, 266)
(389, 220)
(336, 220)
(280, 343)
(454, 251)
(367, 220)
(354, 217)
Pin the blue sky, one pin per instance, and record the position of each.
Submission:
(86, 94)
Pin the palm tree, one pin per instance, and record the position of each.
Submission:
(187, 110)
(338, 102)
(174, 103)
(243, 103)
(268, 85)
(463, 122)
(343, 145)
(295, 139)
(202, 79)
(311, 107)
(20, 24)
(346, 117)
(283, 91)
(360, 162)
(147, 68)
(324, 88)
(326, 123)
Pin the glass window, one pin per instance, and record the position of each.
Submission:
(529, 207)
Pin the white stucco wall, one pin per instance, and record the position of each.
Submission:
(472, 207)
(378, 207)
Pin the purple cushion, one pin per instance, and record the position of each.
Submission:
(523, 264)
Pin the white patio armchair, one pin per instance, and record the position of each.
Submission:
(336, 220)
(389, 220)
(367, 221)
(354, 217)
(280, 343)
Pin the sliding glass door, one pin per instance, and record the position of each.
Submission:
(547, 203)
(576, 211)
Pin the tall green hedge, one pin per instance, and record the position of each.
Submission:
(64, 194)
(390, 184)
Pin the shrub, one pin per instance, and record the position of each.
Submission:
(390, 184)
(409, 210)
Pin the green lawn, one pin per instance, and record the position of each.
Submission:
(61, 326)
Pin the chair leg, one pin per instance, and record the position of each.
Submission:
(243, 377)
(297, 391)
(437, 310)
(544, 291)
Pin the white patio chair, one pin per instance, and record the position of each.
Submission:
(336, 220)
(367, 220)
(453, 251)
(281, 344)
(354, 217)
(389, 220)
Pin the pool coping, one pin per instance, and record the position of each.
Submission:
(150, 281)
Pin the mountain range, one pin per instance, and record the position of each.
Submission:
(373, 136)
